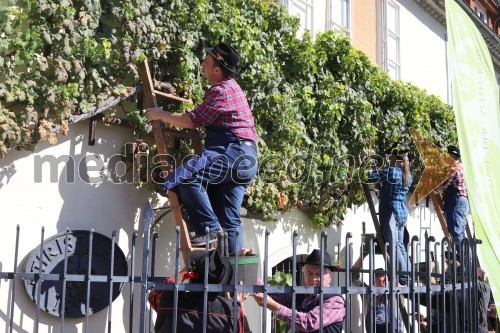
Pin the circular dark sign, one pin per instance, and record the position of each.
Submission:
(52, 262)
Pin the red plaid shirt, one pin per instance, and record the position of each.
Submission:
(457, 180)
(225, 104)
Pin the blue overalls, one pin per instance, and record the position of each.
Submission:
(393, 203)
(456, 208)
(211, 186)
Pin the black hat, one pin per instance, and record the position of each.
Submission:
(226, 56)
(220, 270)
(315, 259)
(398, 148)
(453, 150)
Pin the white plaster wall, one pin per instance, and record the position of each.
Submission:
(423, 49)
(56, 205)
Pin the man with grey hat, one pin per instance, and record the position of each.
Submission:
(456, 204)
(307, 314)
(377, 317)
(220, 308)
(211, 186)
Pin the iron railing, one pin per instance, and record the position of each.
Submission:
(450, 300)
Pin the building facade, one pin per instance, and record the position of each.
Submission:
(406, 38)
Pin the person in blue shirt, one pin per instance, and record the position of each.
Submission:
(395, 181)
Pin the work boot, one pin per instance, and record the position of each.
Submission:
(201, 240)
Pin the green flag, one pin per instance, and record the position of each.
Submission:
(477, 111)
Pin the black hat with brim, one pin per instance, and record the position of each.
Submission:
(315, 259)
(398, 148)
(453, 150)
(226, 56)
(220, 270)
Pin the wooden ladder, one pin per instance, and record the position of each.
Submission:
(164, 137)
(437, 201)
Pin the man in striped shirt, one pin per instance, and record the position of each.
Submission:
(456, 204)
(307, 314)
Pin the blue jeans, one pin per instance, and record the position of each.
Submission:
(213, 195)
(393, 231)
(456, 209)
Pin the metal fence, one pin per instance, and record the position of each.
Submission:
(450, 300)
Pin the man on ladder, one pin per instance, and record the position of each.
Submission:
(211, 186)
(456, 204)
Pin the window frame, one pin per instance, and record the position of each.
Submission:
(346, 10)
(395, 35)
(480, 10)
(309, 6)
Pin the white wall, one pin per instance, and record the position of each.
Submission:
(57, 205)
(423, 49)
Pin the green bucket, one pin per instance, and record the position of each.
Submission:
(247, 268)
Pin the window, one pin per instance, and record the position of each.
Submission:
(304, 10)
(340, 15)
(481, 12)
(393, 42)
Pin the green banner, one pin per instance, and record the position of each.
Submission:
(477, 110)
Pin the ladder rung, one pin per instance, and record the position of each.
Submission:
(172, 96)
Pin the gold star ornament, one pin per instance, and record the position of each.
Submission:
(437, 167)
